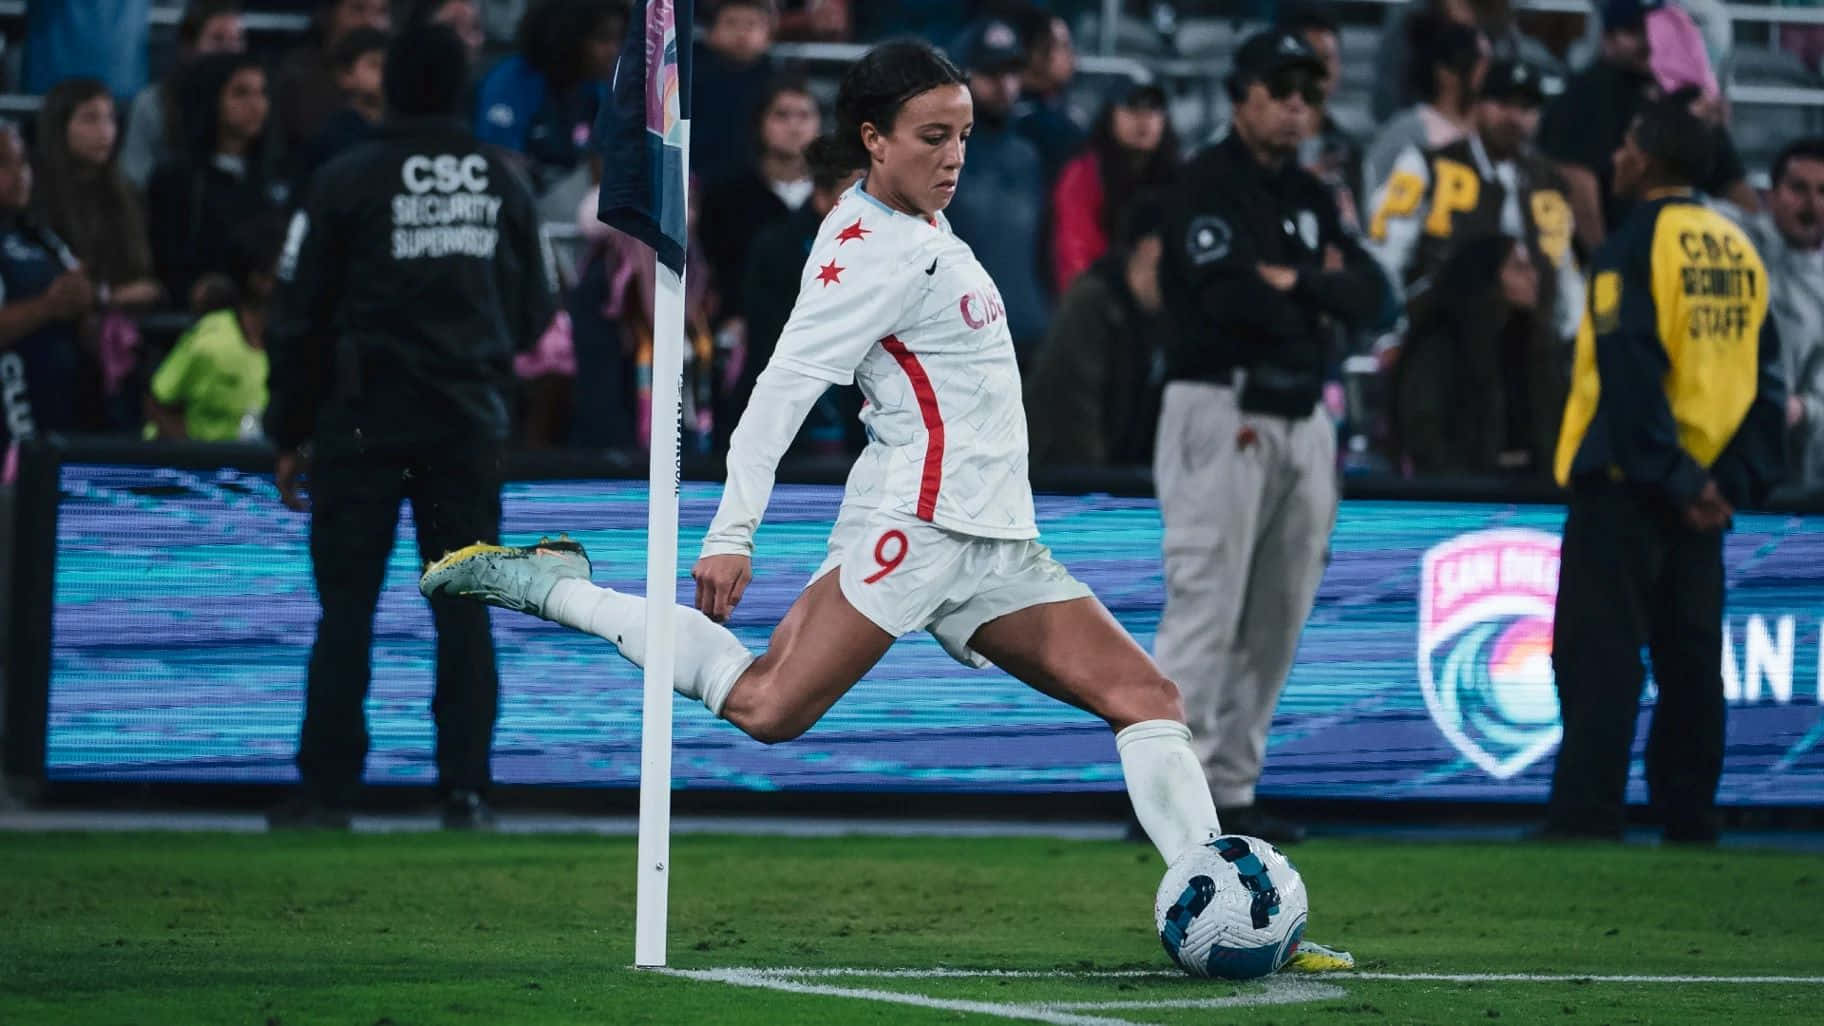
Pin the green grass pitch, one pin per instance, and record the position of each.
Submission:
(404, 929)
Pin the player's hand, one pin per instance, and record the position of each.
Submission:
(288, 475)
(721, 581)
(1280, 278)
(1710, 511)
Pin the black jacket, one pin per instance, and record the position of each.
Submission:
(1229, 214)
(1092, 397)
(408, 281)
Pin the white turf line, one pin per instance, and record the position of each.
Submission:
(1278, 991)
(1073, 974)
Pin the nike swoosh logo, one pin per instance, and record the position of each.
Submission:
(932, 269)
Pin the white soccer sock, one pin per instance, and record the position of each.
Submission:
(1166, 785)
(709, 658)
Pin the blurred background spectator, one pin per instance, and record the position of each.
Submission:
(211, 387)
(826, 21)
(462, 17)
(775, 183)
(1480, 384)
(1332, 152)
(1585, 124)
(773, 267)
(731, 74)
(305, 90)
(103, 39)
(44, 295)
(1043, 113)
(360, 62)
(541, 101)
(83, 198)
(999, 210)
(1132, 148)
(1790, 236)
(1092, 396)
(207, 26)
(221, 180)
(1448, 61)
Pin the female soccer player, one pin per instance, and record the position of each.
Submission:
(936, 529)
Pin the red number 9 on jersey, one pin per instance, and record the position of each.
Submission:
(888, 560)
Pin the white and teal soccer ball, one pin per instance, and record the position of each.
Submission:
(1233, 907)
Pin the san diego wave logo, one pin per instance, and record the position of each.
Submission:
(1485, 646)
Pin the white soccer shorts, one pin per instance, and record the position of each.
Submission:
(905, 574)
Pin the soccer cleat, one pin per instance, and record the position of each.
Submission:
(519, 578)
(1312, 957)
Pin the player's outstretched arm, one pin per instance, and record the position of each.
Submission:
(782, 399)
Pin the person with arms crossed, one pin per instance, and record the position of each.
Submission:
(1676, 418)
(1257, 269)
(936, 529)
(407, 282)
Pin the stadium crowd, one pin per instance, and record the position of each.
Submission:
(143, 210)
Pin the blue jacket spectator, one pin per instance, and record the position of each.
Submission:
(541, 102)
(730, 77)
(1044, 114)
(103, 39)
(999, 209)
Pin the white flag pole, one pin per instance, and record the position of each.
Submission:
(661, 601)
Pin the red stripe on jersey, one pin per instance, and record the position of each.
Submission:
(934, 424)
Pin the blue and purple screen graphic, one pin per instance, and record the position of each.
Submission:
(184, 615)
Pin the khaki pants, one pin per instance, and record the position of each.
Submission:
(1247, 530)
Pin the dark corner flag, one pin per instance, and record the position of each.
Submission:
(639, 131)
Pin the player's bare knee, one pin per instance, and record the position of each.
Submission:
(774, 727)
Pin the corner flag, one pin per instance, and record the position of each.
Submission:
(643, 135)
(640, 130)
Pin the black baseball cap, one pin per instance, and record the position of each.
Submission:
(1265, 53)
(1510, 81)
(990, 45)
(1627, 15)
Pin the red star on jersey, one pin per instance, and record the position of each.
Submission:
(854, 232)
(829, 273)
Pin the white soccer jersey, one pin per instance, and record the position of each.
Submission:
(900, 306)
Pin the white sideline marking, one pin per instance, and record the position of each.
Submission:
(1277, 991)
(1568, 978)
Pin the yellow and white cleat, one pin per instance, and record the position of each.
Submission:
(519, 578)
(1316, 958)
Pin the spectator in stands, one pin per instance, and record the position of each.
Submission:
(730, 78)
(212, 386)
(360, 61)
(823, 21)
(776, 183)
(1332, 153)
(1790, 236)
(306, 93)
(1728, 177)
(1491, 183)
(1044, 113)
(462, 17)
(1394, 87)
(83, 198)
(1479, 388)
(220, 181)
(1001, 213)
(1092, 399)
(1132, 148)
(768, 289)
(208, 26)
(936, 21)
(1449, 60)
(541, 101)
(1585, 124)
(44, 295)
(103, 39)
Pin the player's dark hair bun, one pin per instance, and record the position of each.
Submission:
(877, 86)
